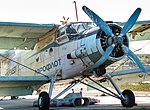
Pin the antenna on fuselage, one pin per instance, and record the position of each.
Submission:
(76, 9)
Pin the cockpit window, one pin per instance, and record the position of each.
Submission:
(72, 31)
(61, 32)
(89, 25)
(79, 27)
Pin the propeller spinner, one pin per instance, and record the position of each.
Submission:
(117, 39)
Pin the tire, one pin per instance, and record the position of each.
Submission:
(129, 98)
(43, 101)
(14, 97)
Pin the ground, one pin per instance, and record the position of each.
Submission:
(106, 102)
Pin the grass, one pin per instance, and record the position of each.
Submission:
(137, 87)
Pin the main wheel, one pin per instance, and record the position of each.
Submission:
(129, 98)
(43, 101)
(14, 97)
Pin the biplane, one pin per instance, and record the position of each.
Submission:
(36, 54)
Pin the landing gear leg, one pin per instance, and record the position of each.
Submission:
(44, 97)
(67, 88)
(127, 96)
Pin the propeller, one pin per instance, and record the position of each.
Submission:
(134, 58)
(117, 39)
(131, 21)
(98, 21)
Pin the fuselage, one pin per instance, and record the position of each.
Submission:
(80, 45)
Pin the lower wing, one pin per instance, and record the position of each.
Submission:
(130, 76)
(20, 85)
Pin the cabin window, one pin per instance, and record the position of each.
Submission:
(61, 32)
(50, 51)
(37, 59)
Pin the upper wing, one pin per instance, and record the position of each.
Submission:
(140, 31)
(22, 35)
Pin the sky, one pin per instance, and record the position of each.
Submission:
(52, 11)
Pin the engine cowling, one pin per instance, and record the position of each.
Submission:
(106, 41)
(91, 48)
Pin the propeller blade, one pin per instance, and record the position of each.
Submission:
(98, 21)
(103, 58)
(131, 21)
(134, 58)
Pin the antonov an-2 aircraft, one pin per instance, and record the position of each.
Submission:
(67, 53)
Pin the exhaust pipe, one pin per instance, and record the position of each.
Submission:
(80, 102)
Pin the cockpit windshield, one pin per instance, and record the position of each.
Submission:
(73, 31)
(80, 27)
